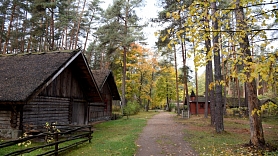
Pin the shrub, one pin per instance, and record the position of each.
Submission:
(131, 108)
(171, 107)
(116, 108)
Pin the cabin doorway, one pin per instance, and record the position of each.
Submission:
(79, 112)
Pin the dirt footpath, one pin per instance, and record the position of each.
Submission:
(163, 137)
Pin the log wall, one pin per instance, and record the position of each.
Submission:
(5, 119)
(45, 109)
(102, 111)
(9, 121)
(96, 112)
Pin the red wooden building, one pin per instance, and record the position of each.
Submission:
(197, 105)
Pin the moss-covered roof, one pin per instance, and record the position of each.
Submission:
(21, 76)
(106, 76)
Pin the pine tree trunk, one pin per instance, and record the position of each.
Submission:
(78, 24)
(211, 94)
(150, 93)
(5, 48)
(87, 33)
(206, 91)
(16, 48)
(46, 44)
(207, 79)
(2, 30)
(124, 77)
(256, 129)
(52, 27)
(65, 42)
(24, 27)
(224, 69)
(219, 124)
(140, 89)
(196, 82)
(124, 58)
(185, 74)
(167, 96)
(177, 82)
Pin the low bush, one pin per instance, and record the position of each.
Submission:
(131, 108)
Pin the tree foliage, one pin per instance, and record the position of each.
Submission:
(42, 25)
(238, 29)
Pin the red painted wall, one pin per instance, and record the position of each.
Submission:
(201, 108)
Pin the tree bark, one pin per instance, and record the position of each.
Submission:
(211, 93)
(87, 33)
(5, 49)
(177, 82)
(124, 56)
(256, 129)
(185, 74)
(124, 77)
(209, 76)
(52, 27)
(207, 79)
(196, 82)
(150, 93)
(24, 27)
(140, 89)
(206, 91)
(78, 25)
(219, 124)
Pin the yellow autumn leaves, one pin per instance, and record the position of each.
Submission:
(269, 107)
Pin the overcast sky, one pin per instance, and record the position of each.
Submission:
(146, 13)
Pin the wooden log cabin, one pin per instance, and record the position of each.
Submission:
(44, 87)
(108, 88)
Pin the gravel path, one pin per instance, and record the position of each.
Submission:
(163, 137)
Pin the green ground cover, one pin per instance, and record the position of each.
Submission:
(116, 137)
(233, 141)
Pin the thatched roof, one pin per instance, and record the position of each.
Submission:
(23, 76)
(234, 102)
(201, 99)
(264, 101)
(106, 76)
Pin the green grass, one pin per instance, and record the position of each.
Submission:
(118, 137)
(232, 141)
(7, 150)
(13, 148)
(114, 137)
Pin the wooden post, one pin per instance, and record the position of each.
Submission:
(56, 144)
(90, 134)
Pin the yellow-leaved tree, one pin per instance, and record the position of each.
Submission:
(230, 34)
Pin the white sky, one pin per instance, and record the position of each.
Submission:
(146, 13)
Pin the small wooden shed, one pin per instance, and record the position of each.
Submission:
(44, 87)
(109, 92)
(201, 104)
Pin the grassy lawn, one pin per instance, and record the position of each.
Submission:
(118, 137)
(115, 137)
(7, 150)
(233, 141)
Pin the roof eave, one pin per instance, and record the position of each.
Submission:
(92, 77)
(52, 77)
